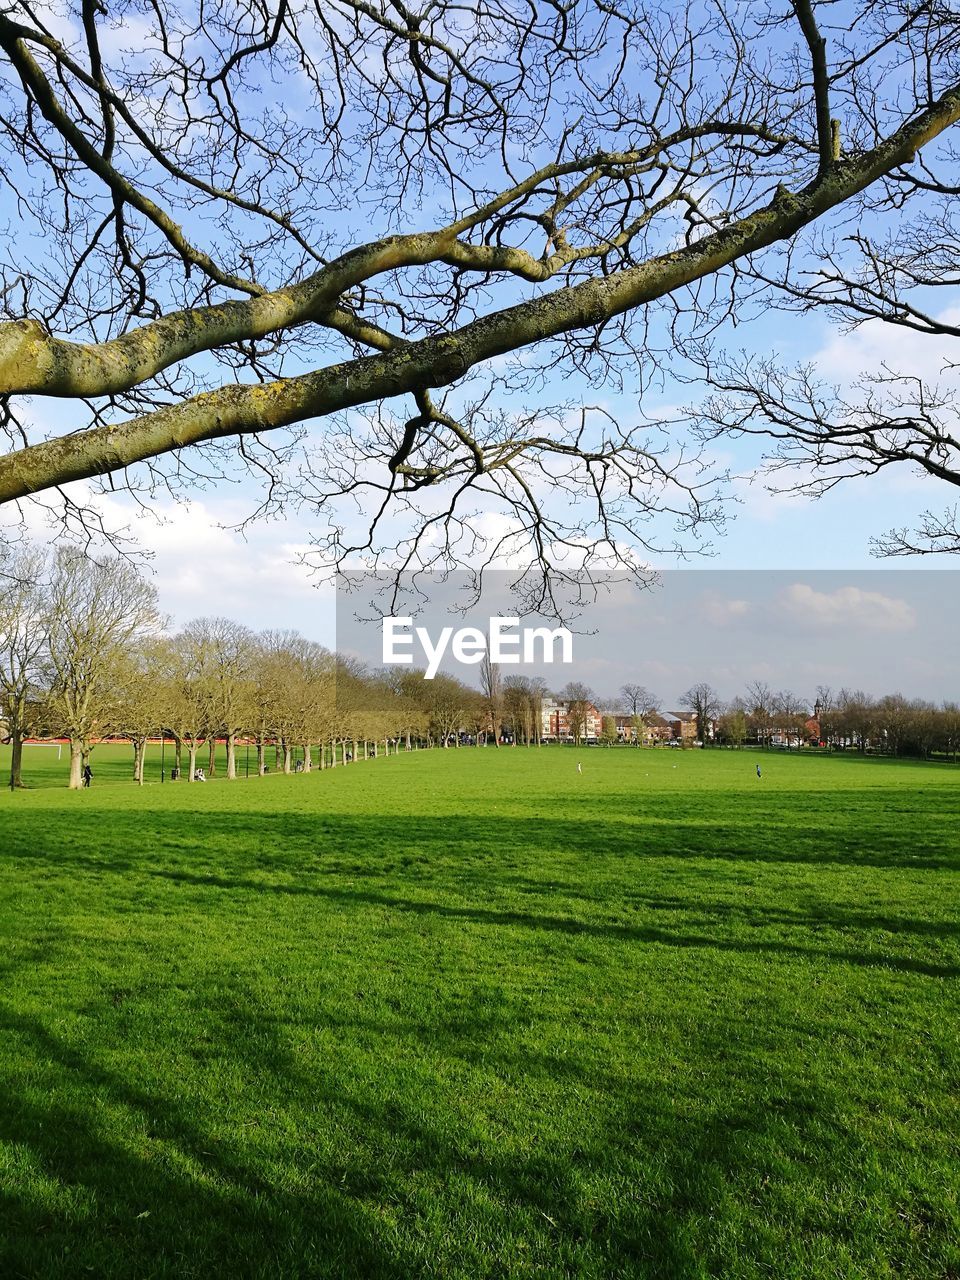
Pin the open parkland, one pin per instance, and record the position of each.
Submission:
(469, 1012)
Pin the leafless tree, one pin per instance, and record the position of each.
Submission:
(887, 266)
(642, 706)
(226, 650)
(791, 715)
(289, 695)
(602, 180)
(760, 702)
(491, 684)
(704, 701)
(139, 681)
(185, 697)
(24, 622)
(98, 610)
(639, 700)
(822, 434)
(578, 698)
(447, 701)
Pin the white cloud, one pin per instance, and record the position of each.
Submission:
(877, 344)
(205, 569)
(201, 568)
(847, 607)
(721, 612)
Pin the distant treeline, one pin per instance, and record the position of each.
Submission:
(765, 717)
(85, 655)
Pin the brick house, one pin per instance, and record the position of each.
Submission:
(655, 729)
(683, 726)
(555, 722)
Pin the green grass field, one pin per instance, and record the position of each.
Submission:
(466, 1014)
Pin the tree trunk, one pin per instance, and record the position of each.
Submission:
(212, 756)
(231, 754)
(192, 762)
(261, 756)
(287, 758)
(76, 764)
(307, 762)
(16, 750)
(139, 759)
(178, 755)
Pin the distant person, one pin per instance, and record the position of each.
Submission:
(200, 776)
(759, 774)
(87, 775)
(579, 767)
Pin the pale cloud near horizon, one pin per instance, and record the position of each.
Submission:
(876, 344)
(201, 567)
(846, 607)
(720, 612)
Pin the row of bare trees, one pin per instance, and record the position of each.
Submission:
(893, 724)
(84, 655)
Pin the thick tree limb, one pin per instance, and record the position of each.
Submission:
(440, 360)
(33, 361)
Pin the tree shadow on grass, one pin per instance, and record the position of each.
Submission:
(648, 1183)
(577, 927)
(732, 909)
(224, 1205)
(141, 1212)
(365, 844)
(466, 859)
(640, 1188)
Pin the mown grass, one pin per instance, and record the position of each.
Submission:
(468, 1014)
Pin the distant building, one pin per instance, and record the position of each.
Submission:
(625, 728)
(655, 729)
(556, 725)
(683, 726)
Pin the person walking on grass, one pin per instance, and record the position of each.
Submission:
(579, 767)
(759, 774)
(87, 775)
